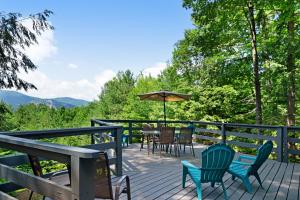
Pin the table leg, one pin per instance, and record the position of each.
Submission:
(142, 145)
(148, 144)
(153, 144)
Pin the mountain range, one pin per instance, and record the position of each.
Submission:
(15, 99)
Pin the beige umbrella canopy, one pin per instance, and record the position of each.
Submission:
(165, 96)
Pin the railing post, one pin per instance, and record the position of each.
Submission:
(130, 132)
(285, 145)
(279, 141)
(118, 133)
(83, 178)
(92, 135)
(223, 132)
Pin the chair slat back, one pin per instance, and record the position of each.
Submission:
(262, 155)
(147, 127)
(167, 135)
(185, 136)
(103, 178)
(215, 161)
(35, 165)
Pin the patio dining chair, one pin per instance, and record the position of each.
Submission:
(104, 187)
(243, 170)
(166, 137)
(147, 127)
(185, 138)
(103, 184)
(216, 159)
(38, 171)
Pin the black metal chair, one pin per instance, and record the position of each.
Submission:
(38, 171)
(103, 184)
(104, 187)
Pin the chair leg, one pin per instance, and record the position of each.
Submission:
(160, 150)
(212, 184)
(142, 144)
(233, 178)
(258, 179)
(184, 174)
(224, 191)
(247, 184)
(184, 148)
(199, 192)
(193, 150)
(30, 196)
(117, 193)
(148, 144)
(128, 189)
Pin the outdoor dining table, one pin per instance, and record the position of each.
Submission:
(147, 134)
(153, 133)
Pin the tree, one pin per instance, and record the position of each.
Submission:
(114, 95)
(15, 37)
(137, 109)
(6, 117)
(252, 24)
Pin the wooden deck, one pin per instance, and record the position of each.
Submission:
(153, 177)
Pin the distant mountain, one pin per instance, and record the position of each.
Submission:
(15, 99)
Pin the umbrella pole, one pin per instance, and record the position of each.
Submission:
(165, 111)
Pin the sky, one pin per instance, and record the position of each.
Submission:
(95, 39)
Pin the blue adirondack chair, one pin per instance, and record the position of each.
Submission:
(215, 161)
(244, 170)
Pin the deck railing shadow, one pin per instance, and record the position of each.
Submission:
(81, 159)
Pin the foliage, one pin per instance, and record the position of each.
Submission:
(213, 63)
(113, 96)
(15, 38)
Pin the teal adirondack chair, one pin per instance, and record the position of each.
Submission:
(244, 170)
(215, 161)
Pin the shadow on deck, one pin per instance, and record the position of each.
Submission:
(153, 177)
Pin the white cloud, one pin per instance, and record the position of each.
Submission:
(72, 66)
(82, 89)
(155, 70)
(45, 48)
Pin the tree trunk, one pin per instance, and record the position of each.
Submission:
(290, 64)
(255, 63)
(291, 87)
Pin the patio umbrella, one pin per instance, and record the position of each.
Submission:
(164, 96)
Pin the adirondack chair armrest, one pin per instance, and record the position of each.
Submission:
(241, 163)
(189, 165)
(246, 157)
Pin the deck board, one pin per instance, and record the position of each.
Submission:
(158, 178)
(294, 187)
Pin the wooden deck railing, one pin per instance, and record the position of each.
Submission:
(241, 135)
(81, 159)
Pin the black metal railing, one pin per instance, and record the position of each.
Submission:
(241, 135)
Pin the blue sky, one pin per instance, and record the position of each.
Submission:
(95, 39)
